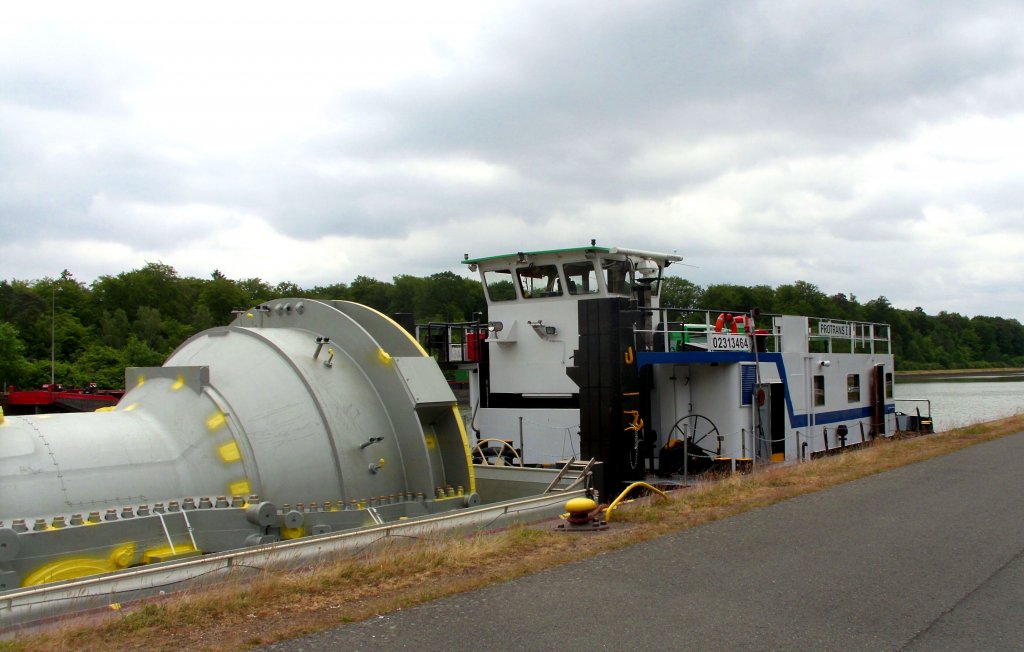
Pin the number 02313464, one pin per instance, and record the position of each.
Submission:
(729, 342)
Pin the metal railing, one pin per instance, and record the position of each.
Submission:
(452, 343)
(674, 329)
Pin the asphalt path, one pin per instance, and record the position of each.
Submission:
(925, 557)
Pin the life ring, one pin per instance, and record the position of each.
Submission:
(734, 323)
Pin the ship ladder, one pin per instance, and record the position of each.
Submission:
(573, 474)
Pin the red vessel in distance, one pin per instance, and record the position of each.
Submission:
(52, 398)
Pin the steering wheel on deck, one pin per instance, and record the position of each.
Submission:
(502, 452)
(699, 432)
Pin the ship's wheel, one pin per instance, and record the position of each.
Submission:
(692, 447)
(699, 433)
(496, 452)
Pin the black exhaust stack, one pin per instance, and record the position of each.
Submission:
(611, 424)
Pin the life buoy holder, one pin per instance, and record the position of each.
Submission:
(727, 320)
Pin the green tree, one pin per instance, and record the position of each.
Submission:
(114, 329)
(325, 292)
(21, 305)
(801, 298)
(289, 289)
(156, 285)
(680, 293)
(100, 364)
(148, 326)
(174, 333)
(13, 364)
(139, 354)
(221, 296)
(729, 298)
(442, 297)
(202, 318)
(256, 291)
(405, 293)
(370, 292)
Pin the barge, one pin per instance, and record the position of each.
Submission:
(55, 398)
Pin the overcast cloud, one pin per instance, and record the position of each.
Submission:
(871, 148)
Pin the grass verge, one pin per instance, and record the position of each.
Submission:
(280, 605)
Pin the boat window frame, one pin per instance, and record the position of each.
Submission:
(625, 279)
(587, 284)
(527, 276)
(853, 388)
(819, 390)
(488, 285)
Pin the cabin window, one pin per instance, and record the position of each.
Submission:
(617, 277)
(853, 388)
(819, 390)
(499, 285)
(538, 281)
(888, 385)
(581, 278)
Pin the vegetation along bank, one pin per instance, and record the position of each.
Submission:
(137, 318)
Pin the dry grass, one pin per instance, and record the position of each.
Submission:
(282, 605)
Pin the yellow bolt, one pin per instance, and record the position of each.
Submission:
(215, 421)
(229, 452)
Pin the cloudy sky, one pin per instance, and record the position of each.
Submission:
(873, 148)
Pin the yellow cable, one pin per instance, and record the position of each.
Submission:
(622, 496)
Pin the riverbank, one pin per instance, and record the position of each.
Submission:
(396, 575)
(942, 374)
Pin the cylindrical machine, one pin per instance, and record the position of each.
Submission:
(297, 401)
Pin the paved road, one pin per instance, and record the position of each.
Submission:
(927, 557)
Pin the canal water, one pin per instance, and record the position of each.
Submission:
(963, 400)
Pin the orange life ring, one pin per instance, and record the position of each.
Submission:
(720, 322)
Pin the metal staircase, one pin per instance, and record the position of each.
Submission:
(573, 474)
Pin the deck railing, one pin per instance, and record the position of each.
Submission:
(674, 329)
(452, 343)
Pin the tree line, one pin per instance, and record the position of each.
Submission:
(89, 333)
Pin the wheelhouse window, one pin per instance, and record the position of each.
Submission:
(580, 278)
(617, 277)
(538, 281)
(853, 388)
(819, 390)
(888, 385)
(499, 285)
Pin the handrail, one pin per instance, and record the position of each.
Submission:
(693, 324)
(926, 401)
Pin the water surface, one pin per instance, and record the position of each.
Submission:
(963, 400)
